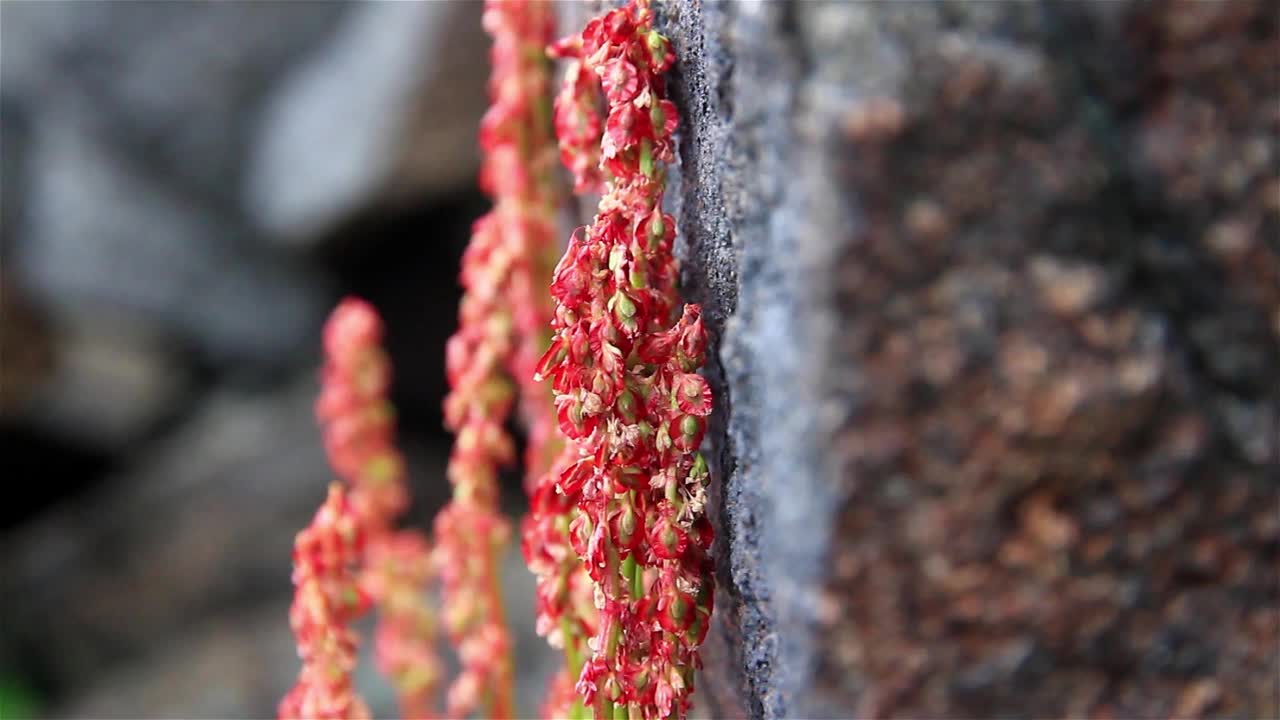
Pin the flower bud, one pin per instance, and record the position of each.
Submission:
(667, 540)
(692, 428)
(699, 473)
(625, 404)
(628, 527)
(623, 307)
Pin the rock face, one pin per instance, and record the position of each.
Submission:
(173, 177)
(384, 115)
(996, 293)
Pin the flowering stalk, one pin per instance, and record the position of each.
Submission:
(627, 393)
(566, 615)
(519, 174)
(327, 599)
(502, 322)
(359, 426)
(397, 573)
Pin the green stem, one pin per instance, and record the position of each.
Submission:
(604, 704)
(646, 158)
(629, 574)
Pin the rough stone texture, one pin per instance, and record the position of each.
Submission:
(994, 289)
(204, 520)
(101, 389)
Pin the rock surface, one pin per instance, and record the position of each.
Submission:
(177, 178)
(995, 291)
(385, 115)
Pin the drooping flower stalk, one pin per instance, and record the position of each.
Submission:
(327, 600)
(566, 614)
(627, 393)
(359, 434)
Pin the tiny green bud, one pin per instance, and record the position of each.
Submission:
(624, 306)
(689, 426)
(617, 256)
(657, 46)
(658, 227)
(626, 404)
(670, 539)
(699, 466)
(679, 608)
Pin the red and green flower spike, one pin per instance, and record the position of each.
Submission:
(327, 599)
(623, 369)
(359, 432)
(502, 327)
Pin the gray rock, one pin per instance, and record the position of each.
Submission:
(102, 234)
(387, 113)
(177, 85)
(109, 384)
(237, 664)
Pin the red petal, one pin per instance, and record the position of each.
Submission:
(693, 394)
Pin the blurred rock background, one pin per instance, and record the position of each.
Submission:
(187, 189)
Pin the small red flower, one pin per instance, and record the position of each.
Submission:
(693, 394)
(667, 539)
(626, 126)
(621, 82)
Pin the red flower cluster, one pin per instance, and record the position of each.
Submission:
(357, 419)
(327, 599)
(502, 328)
(578, 123)
(566, 613)
(397, 573)
(359, 435)
(628, 396)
